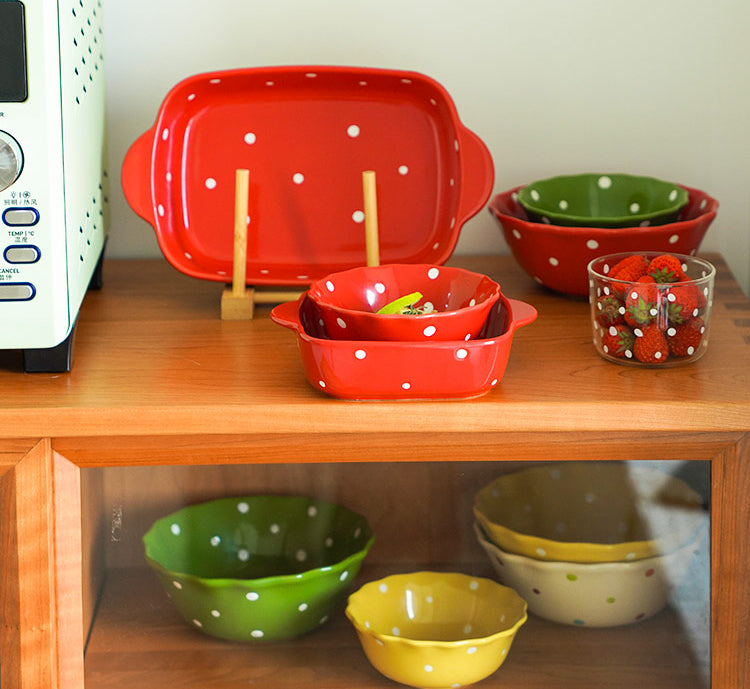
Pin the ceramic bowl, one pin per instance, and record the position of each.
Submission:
(455, 301)
(436, 629)
(651, 309)
(588, 512)
(605, 594)
(557, 256)
(386, 369)
(603, 200)
(258, 568)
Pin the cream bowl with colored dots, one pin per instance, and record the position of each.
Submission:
(556, 256)
(435, 630)
(453, 303)
(589, 512)
(258, 568)
(602, 594)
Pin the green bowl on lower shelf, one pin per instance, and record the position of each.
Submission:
(258, 568)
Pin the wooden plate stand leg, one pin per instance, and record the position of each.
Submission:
(238, 299)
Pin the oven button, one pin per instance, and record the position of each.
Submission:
(21, 217)
(11, 160)
(22, 253)
(16, 291)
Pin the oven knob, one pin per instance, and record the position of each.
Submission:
(11, 160)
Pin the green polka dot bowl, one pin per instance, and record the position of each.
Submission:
(603, 200)
(605, 594)
(258, 568)
(436, 629)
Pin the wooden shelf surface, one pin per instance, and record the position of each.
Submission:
(153, 359)
(139, 642)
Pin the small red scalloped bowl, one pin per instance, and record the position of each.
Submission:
(386, 370)
(557, 256)
(457, 301)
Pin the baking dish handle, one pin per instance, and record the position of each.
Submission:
(136, 176)
(287, 314)
(477, 174)
(521, 313)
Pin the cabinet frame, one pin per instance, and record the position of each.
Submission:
(47, 569)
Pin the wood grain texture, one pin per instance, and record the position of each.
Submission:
(28, 636)
(153, 357)
(140, 642)
(730, 561)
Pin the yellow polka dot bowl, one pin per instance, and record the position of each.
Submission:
(603, 594)
(435, 630)
(556, 256)
(589, 511)
(258, 568)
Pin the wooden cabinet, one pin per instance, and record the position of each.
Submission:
(167, 404)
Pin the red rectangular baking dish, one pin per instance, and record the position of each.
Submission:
(306, 134)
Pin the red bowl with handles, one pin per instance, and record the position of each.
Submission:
(557, 256)
(388, 370)
(306, 133)
(454, 302)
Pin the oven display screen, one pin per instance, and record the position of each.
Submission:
(13, 84)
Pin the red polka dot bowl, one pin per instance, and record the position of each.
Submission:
(557, 256)
(588, 512)
(452, 303)
(388, 369)
(606, 594)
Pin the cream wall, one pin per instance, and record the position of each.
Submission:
(659, 87)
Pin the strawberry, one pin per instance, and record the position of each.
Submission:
(609, 310)
(684, 301)
(634, 261)
(641, 302)
(666, 268)
(618, 340)
(683, 340)
(650, 345)
(628, 269)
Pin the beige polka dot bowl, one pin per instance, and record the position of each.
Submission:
(446, 303)
(435, 630)
(589, 512)
(603, 594)
(258, 568)
(603, 200)
(651, 309)
(557, 256)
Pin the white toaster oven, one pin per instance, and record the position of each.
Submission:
(53, 217)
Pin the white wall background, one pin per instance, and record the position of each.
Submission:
(658, 87)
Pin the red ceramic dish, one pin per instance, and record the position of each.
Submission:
(349, 301)
(557, 256)
(351, 369)
(306, 134)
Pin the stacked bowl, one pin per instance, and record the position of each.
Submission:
(554, 227)
(381, 332)
(595, 544)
